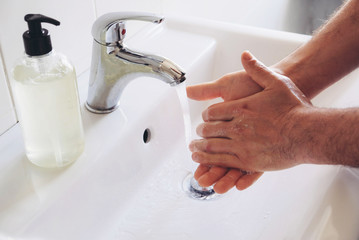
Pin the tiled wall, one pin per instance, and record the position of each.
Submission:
(73, 36)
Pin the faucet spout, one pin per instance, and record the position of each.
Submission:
(116, 67)
(162, 68)
(113, 65)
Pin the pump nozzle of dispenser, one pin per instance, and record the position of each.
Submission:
(37, 40)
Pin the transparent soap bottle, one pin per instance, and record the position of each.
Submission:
(47, 100)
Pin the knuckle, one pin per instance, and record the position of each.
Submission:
(198, 157)
(230, 160)
(224, 78)
(238, 127)
(258, 66)
(208, 146)
(238, 109)
(233, 174)
(243, 106)
(261, 67)
(204, 130)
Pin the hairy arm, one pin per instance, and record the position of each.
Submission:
(325, 136)
(332, 53)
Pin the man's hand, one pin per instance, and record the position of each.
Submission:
(248, 134)
(231, 86)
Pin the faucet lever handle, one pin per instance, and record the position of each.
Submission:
(110, 27)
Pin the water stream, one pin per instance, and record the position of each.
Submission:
(182, 96)
(190, 185)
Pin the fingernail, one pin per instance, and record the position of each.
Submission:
(188, 89)
(195, 157)
(205, 116)
(199, 130)
(247, 55)
(191, 146)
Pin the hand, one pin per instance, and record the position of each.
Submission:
(224, 178)
(229, 87)
(251, 134)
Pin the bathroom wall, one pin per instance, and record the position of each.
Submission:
(73, 36)
(7, 111)
(263, 13)
(305, 16)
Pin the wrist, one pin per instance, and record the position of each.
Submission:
(300, 130)
(324, 136)
(298, 73)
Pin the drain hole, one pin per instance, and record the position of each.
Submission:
(146, 135)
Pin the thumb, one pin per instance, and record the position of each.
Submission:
(260, 73)
(204, 91)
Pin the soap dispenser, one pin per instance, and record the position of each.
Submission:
(46, 97)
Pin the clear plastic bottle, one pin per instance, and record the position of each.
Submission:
(46, 96)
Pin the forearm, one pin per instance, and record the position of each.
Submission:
(332, 53)
(326, 136)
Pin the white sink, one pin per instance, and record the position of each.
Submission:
(124, 188)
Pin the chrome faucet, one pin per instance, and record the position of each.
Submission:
(114, 66)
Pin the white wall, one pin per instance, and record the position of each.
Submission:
(263, 13)
(73, 36)
(7, 112)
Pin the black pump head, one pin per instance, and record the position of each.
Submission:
(37, 39)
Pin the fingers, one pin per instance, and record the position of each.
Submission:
(211, 176)
(261, 74)
(247, 180)
(212, 145)
(224, 111)
(228, 129)
(228, 181)
(204, 91)
(224, 179)
(201, 169)
(217, 159)
(212, 129)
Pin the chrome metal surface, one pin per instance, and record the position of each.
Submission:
(114, 65)
(103, 28)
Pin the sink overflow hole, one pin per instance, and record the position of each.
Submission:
(146, 135)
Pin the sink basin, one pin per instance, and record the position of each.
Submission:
(128, 182)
